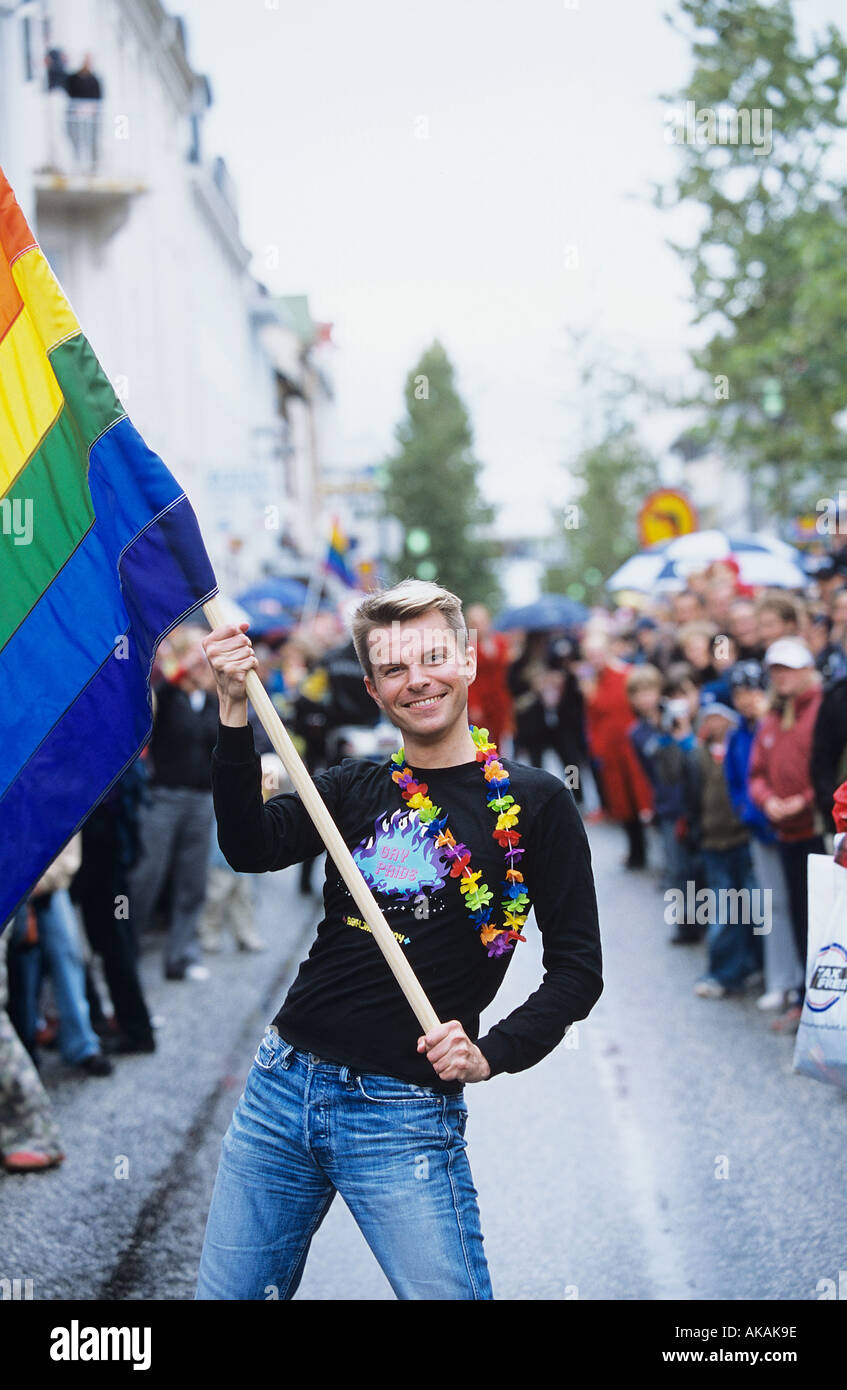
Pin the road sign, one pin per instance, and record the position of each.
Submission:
(664, 515)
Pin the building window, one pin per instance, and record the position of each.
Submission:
(26, 35)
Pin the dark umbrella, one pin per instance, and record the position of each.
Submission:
(270, 625)
(550, 610)
(273, 607)
(285, 592)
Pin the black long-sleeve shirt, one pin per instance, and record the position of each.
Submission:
(183, 739)
(345, 1004)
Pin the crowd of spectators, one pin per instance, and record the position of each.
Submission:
(713, 724)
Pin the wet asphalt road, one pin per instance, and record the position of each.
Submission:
(666, 1150)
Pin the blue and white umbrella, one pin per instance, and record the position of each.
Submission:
(762, 561)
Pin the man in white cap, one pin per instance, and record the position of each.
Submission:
(781, 782)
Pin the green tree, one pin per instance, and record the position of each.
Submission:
(769, 274)
(600, 529)
(432, 487)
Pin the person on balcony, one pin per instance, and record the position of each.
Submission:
(85, 92)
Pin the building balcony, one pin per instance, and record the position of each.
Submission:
(86, 154)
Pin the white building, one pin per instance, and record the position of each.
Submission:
(141, 228)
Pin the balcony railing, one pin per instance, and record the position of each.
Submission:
(89, 142)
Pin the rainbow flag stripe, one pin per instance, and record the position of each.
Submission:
(100, 556)
(337, 561)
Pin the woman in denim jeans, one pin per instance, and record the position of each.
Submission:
(58, 948)
(344, 1094)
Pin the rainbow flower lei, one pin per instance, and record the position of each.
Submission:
(478, 896)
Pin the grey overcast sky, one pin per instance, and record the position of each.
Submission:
(472, 170)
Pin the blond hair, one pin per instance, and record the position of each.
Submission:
(408, 599)
(698, 627)
(643, 678)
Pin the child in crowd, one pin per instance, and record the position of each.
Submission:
(734, 950)
(661, 755)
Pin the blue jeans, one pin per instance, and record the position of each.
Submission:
(59, 948)
(305, 1129)
(674, 853)
(734, 950)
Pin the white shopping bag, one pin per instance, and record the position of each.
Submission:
(821, 1048)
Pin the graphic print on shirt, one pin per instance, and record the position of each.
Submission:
(400, 857)
(400, 861)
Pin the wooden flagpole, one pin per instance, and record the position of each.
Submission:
(331, 836)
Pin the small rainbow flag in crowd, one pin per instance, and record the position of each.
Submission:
(337, 561)
(100, 556)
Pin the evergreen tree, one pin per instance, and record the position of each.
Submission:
(432, 487)
(600, 529)
(769, 273)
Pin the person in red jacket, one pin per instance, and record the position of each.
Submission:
(627, 795)
(781, 781)
(489, 698)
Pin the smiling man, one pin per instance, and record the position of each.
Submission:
(344, 1095)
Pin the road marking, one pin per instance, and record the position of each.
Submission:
(665, 1266)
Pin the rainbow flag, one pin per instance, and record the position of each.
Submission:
(337, 561)
(100, 556)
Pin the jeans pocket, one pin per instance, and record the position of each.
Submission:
(271, 1050)
(456, 1116)
(387, 1090)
